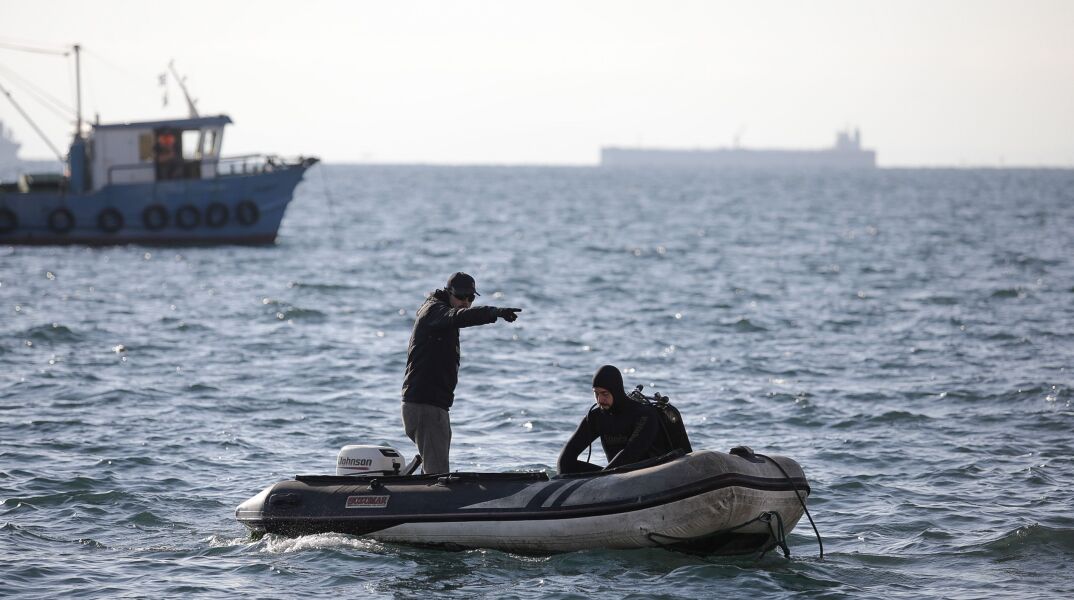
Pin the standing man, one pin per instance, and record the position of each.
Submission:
(432, 365)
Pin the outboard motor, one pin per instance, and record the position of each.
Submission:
(359, 459)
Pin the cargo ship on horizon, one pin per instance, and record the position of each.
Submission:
(847, 153)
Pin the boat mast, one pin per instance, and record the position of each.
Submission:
(199, 152)
(78, 91)
(182, 85)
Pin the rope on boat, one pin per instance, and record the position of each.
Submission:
(766, 517)
(800, 500)
(778, 534)
(331, 206)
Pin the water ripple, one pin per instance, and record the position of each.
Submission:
(904, 334)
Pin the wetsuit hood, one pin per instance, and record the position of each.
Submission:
(609, 378)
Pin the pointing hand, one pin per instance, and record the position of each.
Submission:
(508, 314)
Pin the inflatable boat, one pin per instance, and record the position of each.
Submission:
(704, 501)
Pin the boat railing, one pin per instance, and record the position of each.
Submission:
(209, 168)
(247, 164)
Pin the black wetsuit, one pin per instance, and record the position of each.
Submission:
(629, 432)
(432, 360)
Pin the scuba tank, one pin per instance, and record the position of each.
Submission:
(670, 418)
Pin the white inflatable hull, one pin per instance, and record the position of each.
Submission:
(657, 526)
(704, 501)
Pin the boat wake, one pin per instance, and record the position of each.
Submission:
(277, 544)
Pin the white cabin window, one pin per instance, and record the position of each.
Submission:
(192, 144)
(212, 146)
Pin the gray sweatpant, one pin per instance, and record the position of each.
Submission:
(429, 427)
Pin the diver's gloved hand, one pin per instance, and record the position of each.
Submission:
(508, 314)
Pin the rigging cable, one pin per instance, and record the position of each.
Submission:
(50, 102)
(31, 122)
(35, 50)
(134, 84)
(116, 67)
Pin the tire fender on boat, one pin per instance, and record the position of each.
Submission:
(8, 220)
(155, 217)
(247, 213)
(110, 220)
(216, 215)
(187, 217)
(61, 220)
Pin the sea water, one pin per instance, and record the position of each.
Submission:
(906, 335)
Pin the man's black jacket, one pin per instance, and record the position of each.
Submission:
(432, 360)
(629, 432)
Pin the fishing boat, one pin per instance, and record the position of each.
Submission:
(151, 182)
(704, 501)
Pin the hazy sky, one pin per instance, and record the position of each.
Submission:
(549, 82)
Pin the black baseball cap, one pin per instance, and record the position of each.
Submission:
(462, 284)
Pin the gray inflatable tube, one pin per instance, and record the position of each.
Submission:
(705, 501)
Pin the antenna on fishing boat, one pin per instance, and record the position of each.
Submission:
(182, 85)
(190, 106)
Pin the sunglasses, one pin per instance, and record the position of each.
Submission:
(466, 297)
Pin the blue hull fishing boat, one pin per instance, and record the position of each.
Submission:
(152, 182)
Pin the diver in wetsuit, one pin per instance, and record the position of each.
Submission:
(629, 430)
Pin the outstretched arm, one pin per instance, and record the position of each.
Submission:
(440, 316)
